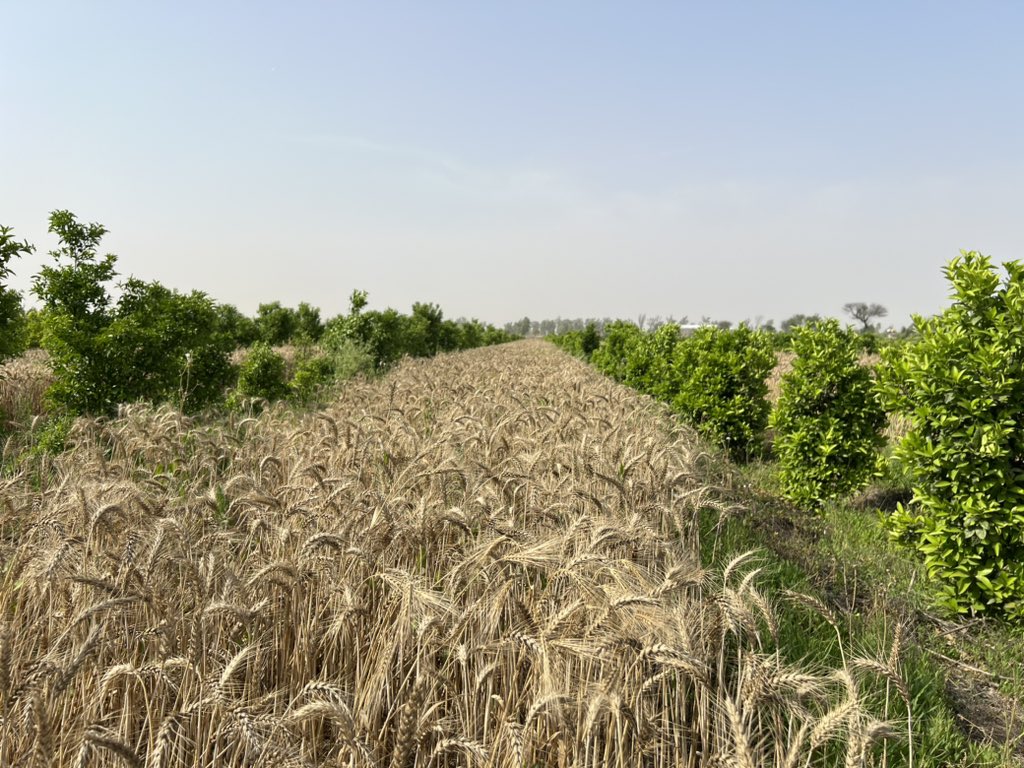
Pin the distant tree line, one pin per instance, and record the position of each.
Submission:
(863, 313)
(527, 327)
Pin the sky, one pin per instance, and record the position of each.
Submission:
(577, 159)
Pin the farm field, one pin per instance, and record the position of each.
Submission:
(510, 386)
(490, 558)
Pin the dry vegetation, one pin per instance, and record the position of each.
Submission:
(23, 384)
(489, 558)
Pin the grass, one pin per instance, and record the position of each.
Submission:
(965, 675)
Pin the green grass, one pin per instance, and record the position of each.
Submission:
(844, 558)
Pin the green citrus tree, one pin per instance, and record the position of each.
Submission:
(961, 385)
(12, 318)
(153, 344)
(828, 420)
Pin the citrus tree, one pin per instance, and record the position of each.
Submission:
(961, 386)
(828, 421)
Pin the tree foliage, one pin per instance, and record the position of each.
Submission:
(388, 335)
(153, 344)
(865, 313)
(240, 328)
(961, 385)
(828, 420)
(722, 385)
(12, 318)
(714, 378)
(263, 374)
(165, 345)
(276, 323)
(312, 377)
(795, 321)
(581, 343)
(620, 340)
(425, 330)
(308, 325)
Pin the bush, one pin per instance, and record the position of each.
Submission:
(349, 359)
(590, 340)
(715, 379)
(471, 334)
(161, 345)
(721, 378)
(387, 336)
(153, 344)
(13, 326)
(569, 341)
(52, 437)
(343, 341)
(33, 329)
(276, 324)
(494, 335)
(242, 330)
(384, 335)
(12, 317)
(620, 341)
(422, 335)
(308, 325)
(828, 420)
(961, 386)
(312, 376)
(650, 367)
(262, 374)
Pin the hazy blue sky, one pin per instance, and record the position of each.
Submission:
(559, 158)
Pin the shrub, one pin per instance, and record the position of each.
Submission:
(262, 374)
(828, 420)
(308, 325)
(276, 324)
(241, 329)
(494, 335)
(580, 343)
(961, 386)
(12, 317)
(423, 330)
(13, 336)
(590, 340)
(50, 436)
(311, 377)
(161, 345)
(348, 358)
(620, 341)
(153, 344)
(471, 334)
(382, 334)
(387, 336)
(721, 377)
(649, 368)
(33, 329)
(570, 341)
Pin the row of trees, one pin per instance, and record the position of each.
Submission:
(862, 312)
(959, 383)
(715, 377)
(154, 343)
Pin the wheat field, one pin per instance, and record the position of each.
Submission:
(485, 559)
